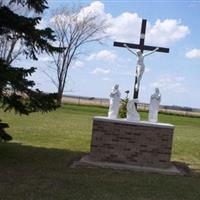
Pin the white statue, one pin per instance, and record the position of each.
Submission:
(154, 106)
(140, 67)
(114, 102)
(132, 114)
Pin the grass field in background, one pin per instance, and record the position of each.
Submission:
(35, 165)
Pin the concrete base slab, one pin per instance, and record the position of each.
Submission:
(86, 162)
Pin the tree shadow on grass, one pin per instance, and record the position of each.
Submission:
(16, 155)
(28, 172)
(19, 157)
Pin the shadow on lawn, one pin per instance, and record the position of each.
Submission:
(25, 156)
(28, 172)
(17, 157)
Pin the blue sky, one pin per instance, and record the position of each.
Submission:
(172, 24)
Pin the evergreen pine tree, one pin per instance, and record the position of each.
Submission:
(16, 90)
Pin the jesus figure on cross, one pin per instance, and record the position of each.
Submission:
(140, 56)
(140, 67)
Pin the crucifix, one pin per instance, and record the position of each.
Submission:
(140, 56)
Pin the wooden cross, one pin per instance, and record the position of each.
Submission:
(142, 47)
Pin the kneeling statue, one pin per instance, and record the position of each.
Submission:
(132, 114)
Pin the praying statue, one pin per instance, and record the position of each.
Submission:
(154, 106)
(114, 102)
(140, 67)
(132, 114)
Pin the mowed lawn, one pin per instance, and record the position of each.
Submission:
(36, 164)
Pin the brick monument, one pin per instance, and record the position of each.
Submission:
(141, 146)
(135, 143)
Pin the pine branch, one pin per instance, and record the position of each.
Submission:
(37, 5)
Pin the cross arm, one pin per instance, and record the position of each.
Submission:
(121, 44)
(141, 47)
(160, 49)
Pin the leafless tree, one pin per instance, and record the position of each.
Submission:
(10, 48)
(10, 45)
(74, 29)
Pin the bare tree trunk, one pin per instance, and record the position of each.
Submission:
(73, 30)
(59, 99)
(59, 96)
(8, 50)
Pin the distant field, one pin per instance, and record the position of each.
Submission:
(142, 106)
(35, 165)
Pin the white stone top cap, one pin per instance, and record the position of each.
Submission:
(125, 121)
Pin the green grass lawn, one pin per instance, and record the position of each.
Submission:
(35, 165)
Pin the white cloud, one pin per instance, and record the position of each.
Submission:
(96, 8)
(78, 64)
(194, 53)
(100, 71)
(166, 31)
(173, 83)
(126, 27)
(103, 55)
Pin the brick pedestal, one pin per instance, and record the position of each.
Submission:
(133, 143)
